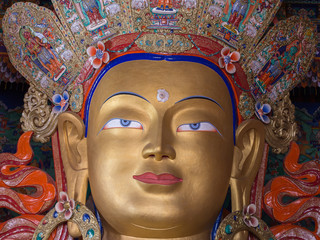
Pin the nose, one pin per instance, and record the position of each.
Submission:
(159, 145)
(159, 151)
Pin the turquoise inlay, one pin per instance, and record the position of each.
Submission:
(90, 233)
(228, 229)
(39, 236)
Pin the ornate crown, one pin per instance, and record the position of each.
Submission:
(60, 53)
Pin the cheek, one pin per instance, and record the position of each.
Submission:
(206, 162)
(114, 158)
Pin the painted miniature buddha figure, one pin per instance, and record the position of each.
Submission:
(91, 12)
(41, 53)
(238, 13)
(278, 65)
(160, 151)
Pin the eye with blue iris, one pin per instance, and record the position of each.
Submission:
(122, 123)
(197, 127)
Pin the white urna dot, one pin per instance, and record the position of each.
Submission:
(162, 95)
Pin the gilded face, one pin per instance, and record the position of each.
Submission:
(160, 168)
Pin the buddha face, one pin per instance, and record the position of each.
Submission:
(160, 148)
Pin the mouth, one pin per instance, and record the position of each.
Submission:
(161, 179)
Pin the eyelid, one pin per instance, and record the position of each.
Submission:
(198, 127)
(122, 123)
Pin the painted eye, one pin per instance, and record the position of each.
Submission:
(200, 127)
(122, 123)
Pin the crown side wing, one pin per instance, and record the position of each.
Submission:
(39, 48)
(281, 59)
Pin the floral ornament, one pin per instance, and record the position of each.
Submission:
(261, 111)
(65, 205)
(248, 217)
(162, 95)
(98, 55)
(227, 59)
(61, 102)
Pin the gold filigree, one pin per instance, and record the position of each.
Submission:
(164, 43)
(37, 115)
(282, 129)
(246, 105)
(76, 99)
(234, 223)
(82, 216)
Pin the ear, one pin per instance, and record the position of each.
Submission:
(250, 139)
(73, 146)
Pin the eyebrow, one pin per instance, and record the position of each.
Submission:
(125, 93)
(200, 97)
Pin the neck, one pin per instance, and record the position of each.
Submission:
(111, 235)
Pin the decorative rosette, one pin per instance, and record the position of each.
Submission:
(61, 102)
(65, 205)
(98, 55)
(227, 59)
(261, 111)
(248, 217)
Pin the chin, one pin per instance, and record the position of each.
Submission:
(159, 222)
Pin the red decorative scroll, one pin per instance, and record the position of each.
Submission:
(301, 186)
(15, 177)
(15, 174)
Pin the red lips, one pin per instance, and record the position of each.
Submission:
(162, 179)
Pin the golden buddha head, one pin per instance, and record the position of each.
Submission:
(162, 137)
(160, 147)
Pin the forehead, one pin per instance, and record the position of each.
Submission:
(180, 76)
(179, 79)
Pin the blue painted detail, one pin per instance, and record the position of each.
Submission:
(195, 126)
(98, 218)
(158, 57)
(198, 96)
(55, 214)
(216, 226)
(125, 123)
(86, 217)
(126, 93)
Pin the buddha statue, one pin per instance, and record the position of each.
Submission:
(162, 116)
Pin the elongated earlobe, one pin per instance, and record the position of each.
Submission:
(73, 146)
(250, 139)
